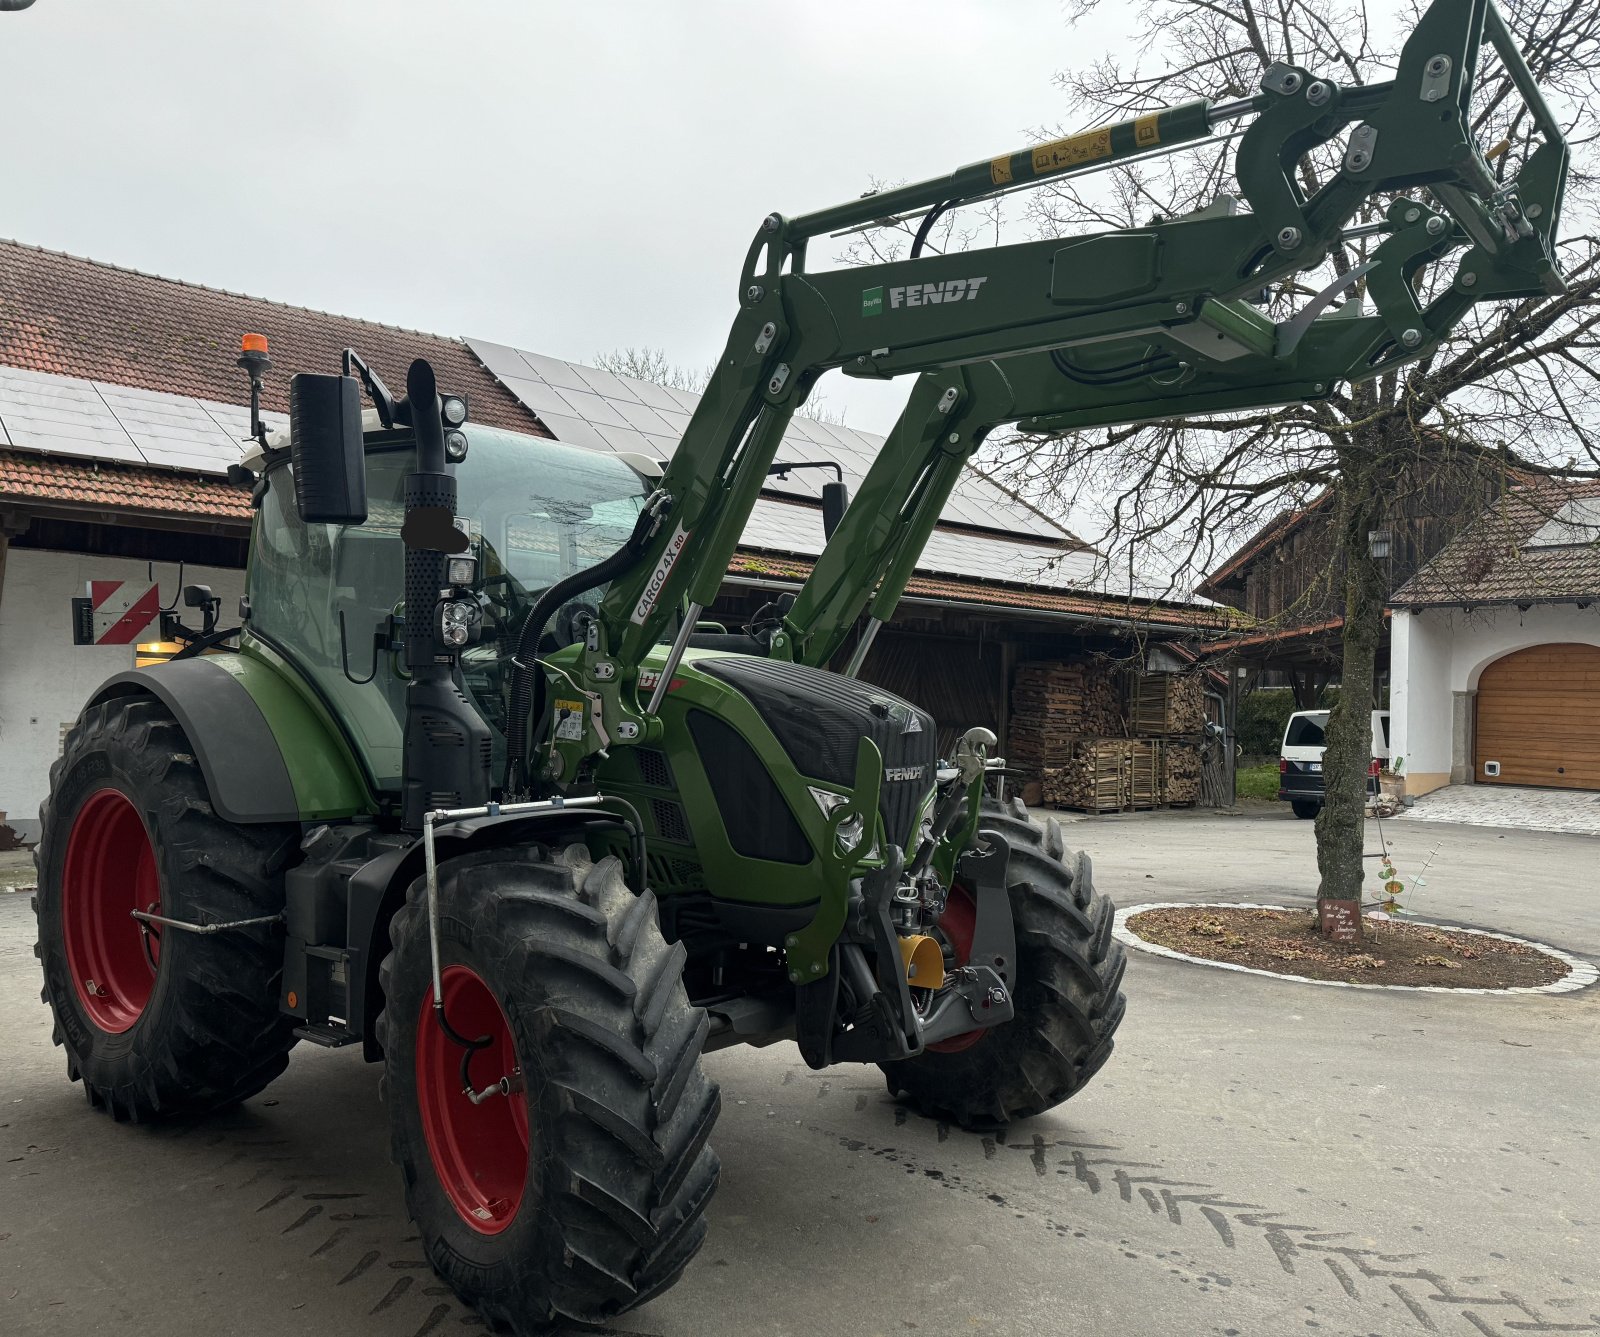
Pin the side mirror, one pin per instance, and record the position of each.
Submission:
(197, 596)
(330, 473)
(835, 501)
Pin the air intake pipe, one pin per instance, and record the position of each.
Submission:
(446, 745)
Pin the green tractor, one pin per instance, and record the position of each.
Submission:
(475, 787)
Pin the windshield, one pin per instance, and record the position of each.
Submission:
(1306, 730)
(323, 595)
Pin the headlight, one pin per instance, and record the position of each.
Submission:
(849, 833)
(460, 570)
(455, 447)
(457, 617)
(454, 410)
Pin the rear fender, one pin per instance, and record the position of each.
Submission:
(265, 754)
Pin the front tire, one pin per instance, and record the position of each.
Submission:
(156, 1022)
(1305, 809)
(1067, 994)
(580, 1193)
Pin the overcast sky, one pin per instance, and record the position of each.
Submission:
(566, 177)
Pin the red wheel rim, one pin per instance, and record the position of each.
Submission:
(480, 1152)
(958, 922)
(110, 871)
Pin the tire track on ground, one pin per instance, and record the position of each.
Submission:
(1402, 1282)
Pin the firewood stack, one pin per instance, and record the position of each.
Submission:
(1093, 776)
(1165, 705)
(1070, 736)
(1181, 774)
(1053, 705)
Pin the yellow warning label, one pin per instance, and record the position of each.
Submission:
(569, 720)
(1000, 170)
(1060, 154)
(1147, 131)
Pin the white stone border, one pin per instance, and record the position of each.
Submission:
(1580, 973)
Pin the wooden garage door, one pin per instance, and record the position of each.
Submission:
(1539, 717)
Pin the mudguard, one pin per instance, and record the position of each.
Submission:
(266, 754)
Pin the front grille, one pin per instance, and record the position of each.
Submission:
(819, 718)
(670, 822)
(675, 874)
(754, 813)
(653, 768)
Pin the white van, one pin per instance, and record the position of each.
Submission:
(1300, 758)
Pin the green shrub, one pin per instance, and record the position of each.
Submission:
(1263, 716)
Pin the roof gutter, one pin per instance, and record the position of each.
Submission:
(1176, 629)
(1582, 600)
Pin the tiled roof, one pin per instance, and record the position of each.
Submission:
(1001, 596)
(76, 317)
(1489, 563)
(75, 483)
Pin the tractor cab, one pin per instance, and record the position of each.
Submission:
(329, 598)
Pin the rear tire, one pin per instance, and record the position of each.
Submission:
(1067, 993)
(193, 1025)
(1305, 809)
(586, 1198)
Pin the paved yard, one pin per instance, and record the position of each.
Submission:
(1258, 1158)
(1575, 810)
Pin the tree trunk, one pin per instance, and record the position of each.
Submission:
(1341, 825)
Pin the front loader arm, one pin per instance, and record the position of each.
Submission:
(1119, 326)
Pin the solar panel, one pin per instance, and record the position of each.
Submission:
(779, 526)
(65, 415)
(604, 401)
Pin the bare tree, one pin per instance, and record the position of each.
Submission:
(1514, 381)
(1512, 388)
(653, 365)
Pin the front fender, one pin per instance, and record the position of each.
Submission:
(265, 754)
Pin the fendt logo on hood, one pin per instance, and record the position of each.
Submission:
(903, 772)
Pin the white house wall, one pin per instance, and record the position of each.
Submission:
(45, 678)
(1437, 656)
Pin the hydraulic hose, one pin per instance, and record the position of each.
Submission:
(525, 677)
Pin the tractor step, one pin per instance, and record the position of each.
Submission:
(329, 1037)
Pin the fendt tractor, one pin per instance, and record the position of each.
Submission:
(475, 786)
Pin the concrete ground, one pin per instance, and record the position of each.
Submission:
(1258, 1157)
(1573, 810)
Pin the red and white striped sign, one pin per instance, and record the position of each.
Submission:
(123, 609)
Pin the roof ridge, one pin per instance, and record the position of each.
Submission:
(226, 292)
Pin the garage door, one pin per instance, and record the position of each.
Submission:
(1539, 717)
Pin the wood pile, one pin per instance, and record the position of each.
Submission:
(1093, 776)
(1053, 705)
(1181, 766)
(1146, 778)
(1070, 736)
(1108, 775)
(1165, 705)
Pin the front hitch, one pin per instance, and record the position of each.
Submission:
(887, 1024)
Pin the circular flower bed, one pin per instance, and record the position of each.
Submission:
(1274, 940)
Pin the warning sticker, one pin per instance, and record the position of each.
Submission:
(569, 720)
(1000, 170)
(1060, 154)
(1147, 131)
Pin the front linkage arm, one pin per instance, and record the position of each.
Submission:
(1115, 327)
